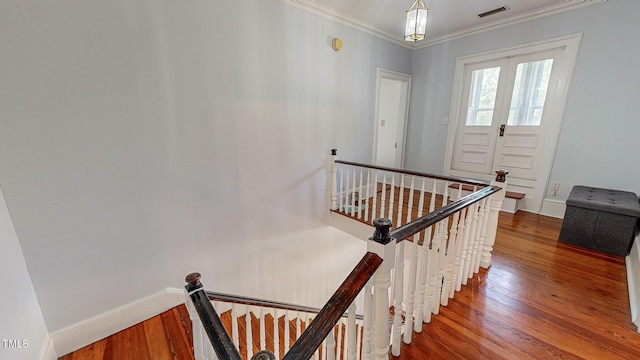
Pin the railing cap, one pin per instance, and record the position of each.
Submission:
(193, 281)
(382, 232)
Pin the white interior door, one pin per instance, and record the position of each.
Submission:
(392, 104)
(509, 111)
(479, 120)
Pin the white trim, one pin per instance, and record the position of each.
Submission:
(342, 18)
(48, 350)
(355, 228)
(512, 20)
(83, 333)
(398, 76)
(571, 45)
(553, 208)
(633, 269)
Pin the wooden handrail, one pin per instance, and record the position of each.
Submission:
(222, 344)
(245, 300)
(320, 327)
(384, 235)
(417, 173)
(444, 212)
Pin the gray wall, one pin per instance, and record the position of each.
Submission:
(142, 140)
(22, 320)
(598, 140)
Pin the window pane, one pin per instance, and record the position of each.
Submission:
(482, 98)
(529, 93)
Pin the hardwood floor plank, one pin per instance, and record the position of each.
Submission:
(540, 299)
(157, 342)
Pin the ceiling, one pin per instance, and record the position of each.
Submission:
(447, 19)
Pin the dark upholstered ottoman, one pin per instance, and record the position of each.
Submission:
(600, 219)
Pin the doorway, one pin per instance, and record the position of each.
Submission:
(507, 115)
(391, 116)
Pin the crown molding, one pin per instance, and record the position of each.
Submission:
(339, 17)
(512, 20)
(342, 18)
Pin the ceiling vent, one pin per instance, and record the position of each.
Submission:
(494, 11)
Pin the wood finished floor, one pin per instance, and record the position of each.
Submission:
(540, 299)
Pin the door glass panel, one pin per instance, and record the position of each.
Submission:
(482, 97)
(529, 93)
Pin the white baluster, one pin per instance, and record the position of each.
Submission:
(461, 252)
(276, 335)
(492, 225)
(473, 242)
(397, 305)
(249, 333)
(263, 333)
(424, 261)
(383, 202)
(374, 195)
(287, 331)
(368, 196)
(413, 251)
(432, 260)
(351, 332)
(443, 233)
(341, 190)
(334, 180)
(331, 345)
(235, 334)
(392, 197)
(359, 342)
(367, 343)
(400, 201)
(298, 332)
(360, 196)
(353, 193)
(484, 208)
(453, 256)
(382, 281)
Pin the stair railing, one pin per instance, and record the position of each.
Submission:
(444, 248)
(320, 330)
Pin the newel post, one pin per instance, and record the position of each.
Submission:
(495, 205)
(334, 180)
(384, 246)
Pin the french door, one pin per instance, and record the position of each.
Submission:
(508, 116)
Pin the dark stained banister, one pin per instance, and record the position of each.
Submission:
(417, 173)
(437, 215)
(313, 335)
(222, 344)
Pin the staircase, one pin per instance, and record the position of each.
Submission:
(416, 267)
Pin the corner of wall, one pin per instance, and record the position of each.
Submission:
(88, 331)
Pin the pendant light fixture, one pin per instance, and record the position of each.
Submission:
(416, 25)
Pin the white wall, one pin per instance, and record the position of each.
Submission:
(142, 140)
(598, 140)
(23, 333)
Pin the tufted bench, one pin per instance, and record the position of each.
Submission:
(600, 219)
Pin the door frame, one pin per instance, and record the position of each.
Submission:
(397, 76)
(571, 46)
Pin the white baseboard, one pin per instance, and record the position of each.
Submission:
(48, 350)
(553, 208)
(88, 331)
(633, 269)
